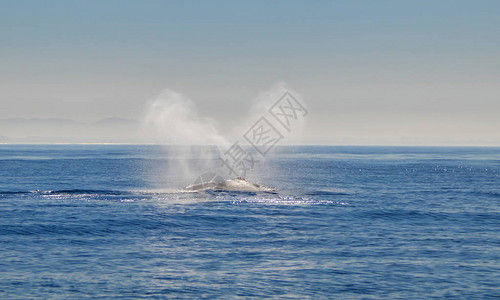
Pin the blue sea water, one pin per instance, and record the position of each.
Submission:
(108, 221)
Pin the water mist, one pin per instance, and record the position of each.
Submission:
(195, 146)
(191, 141)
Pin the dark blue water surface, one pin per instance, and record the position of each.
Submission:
(108, 221)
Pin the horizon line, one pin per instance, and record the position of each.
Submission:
(286, 145)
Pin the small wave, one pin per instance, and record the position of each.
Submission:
(66, 192)
(326, 193)
(80, 191)
(238, 193)
(14, 192)
(162, 191)
(286, 200)
(493, 194)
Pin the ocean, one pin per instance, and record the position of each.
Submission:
(112, 222)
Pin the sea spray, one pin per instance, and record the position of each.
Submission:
(192, 141)
(174, 119)
(260, 106)
(196, 147)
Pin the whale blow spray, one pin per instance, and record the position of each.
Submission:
(192, 141)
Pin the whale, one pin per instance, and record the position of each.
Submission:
(237, 184)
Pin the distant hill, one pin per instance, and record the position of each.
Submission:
(58, 121)
(4, 139)
(115, 121)
(60, 130)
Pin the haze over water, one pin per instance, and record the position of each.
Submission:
(391, 73)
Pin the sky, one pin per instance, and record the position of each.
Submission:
(370, 72)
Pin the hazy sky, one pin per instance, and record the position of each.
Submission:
(371, 72)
